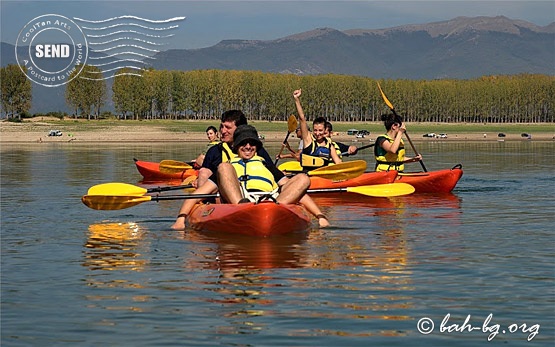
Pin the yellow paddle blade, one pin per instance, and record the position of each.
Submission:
(292, 123)
(173, 166)
(342, 171)
(113, 202)
(116, 189)
(385, 99)
(383, 190)
(290, 166)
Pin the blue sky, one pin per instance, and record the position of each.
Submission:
(209, 22)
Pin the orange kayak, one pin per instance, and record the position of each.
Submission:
(151, 172)
(263, 219)
(366, 179)
(441, 181)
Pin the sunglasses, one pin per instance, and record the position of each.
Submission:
(248, 142)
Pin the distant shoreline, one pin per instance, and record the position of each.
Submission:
(27, 132)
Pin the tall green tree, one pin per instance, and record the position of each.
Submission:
(15, 91)
(87, 91)
(130, 94)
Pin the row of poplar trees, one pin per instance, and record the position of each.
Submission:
(205, 94)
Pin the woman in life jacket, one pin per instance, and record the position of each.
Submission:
(317, 151)
(248, 173)
(389, 150)
(212, 135)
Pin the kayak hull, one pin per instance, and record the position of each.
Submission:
(151, 172)
(263, 219)
(366, 179)
(441, 181)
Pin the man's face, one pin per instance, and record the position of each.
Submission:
(227, 130)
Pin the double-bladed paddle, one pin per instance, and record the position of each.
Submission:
(119, 202)
(390, 105)
(291, 126)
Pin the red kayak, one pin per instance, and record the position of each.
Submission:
(442, 181)
(367, 178)
(151, 172)
(262, 219)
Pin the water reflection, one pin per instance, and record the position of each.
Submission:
(114, 246)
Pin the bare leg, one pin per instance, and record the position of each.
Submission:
(208, 187)
(313, 208)
(292, 191)
(228, 182)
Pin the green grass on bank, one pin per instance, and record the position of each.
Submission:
(265, 126)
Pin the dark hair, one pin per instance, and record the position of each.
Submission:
(328, 126)
(236, 116)
(213, 128)
(319, 120)
(390, 119)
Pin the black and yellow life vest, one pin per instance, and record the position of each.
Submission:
(318, 156)
(253, 174)
(385, 160)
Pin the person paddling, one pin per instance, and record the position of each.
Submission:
(207, 176)
(389, 150)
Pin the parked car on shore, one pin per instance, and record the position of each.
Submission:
(429, 135)
(55, 133)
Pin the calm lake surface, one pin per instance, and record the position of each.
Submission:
(474, 265)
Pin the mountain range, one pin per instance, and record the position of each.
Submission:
(460, 48)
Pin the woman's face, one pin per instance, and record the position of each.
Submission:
(246, 150)
(319, 132)
(211, 135)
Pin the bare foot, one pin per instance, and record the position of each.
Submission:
(323, 222)
(179, 224)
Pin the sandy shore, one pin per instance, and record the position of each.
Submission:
(36, 132)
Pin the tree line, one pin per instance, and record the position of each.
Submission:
(205, 94)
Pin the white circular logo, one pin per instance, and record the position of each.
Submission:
(51, 50)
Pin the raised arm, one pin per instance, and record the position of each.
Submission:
(305, 135)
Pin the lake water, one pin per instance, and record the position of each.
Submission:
(475, 265)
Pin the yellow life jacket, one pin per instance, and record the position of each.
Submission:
(213, 143)
(253, 174)
(227, 153)
(319, 155)
(385, 160)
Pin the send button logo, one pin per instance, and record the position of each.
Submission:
(50, 49)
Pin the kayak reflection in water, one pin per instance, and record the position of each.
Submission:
(390, 147)
(222, 153)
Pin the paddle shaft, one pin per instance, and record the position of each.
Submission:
(346, 154)
(164, 189)
(282, 147)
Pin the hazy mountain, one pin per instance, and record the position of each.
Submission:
(460, 48)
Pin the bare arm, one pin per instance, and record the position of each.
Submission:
(305, 135)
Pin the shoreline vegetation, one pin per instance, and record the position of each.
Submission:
(35, 130)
